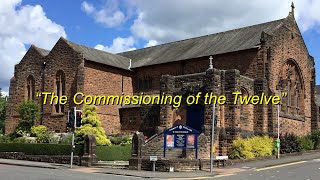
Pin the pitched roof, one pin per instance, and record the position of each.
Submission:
(102, 57)
(219, 43)
(43, 52)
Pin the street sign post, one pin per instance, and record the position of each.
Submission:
(153, 159)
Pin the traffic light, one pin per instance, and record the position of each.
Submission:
(70, 121)
(74, 118)
(78, 118)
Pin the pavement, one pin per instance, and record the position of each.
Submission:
(247, 170)
(34, 164)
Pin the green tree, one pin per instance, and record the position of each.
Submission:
(29, 113)
(3, 103)
(91, 124)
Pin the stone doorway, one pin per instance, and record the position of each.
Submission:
(195, 116)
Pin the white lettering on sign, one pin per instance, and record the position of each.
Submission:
(153, 158)
(222, 157)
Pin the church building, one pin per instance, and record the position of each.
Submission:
(267, 58)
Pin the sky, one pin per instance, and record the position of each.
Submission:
(121, 25)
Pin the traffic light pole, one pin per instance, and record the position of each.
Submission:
(73, 129)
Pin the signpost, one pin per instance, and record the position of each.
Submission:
(180, 136)
(153, 159)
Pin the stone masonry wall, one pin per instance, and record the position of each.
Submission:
(105, 80)
(287, 43)
(31, 64)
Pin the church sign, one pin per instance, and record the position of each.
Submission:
(180, 136)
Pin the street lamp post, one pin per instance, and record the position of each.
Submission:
(278, 118)
(212, 136)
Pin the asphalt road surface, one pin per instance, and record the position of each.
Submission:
(301, 170)
(9, 172)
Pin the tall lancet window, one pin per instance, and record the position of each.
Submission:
(30, 88)
(292, 84)
(60, 84)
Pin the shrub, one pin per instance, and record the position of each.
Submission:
(42, 134)
(66, 140)
(3, 104)
(315, 137)
(114, 153)
(4, 139)
(29, 113)
(262, 146)
(91, 124)
(40, 149)
(120, 139)
(251, 147)
(38, 130)
(290, 144)
(20, 140)
(306, 143)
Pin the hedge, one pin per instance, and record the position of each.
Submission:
(114, 153)
(40, 149)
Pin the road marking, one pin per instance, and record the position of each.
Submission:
(206, 177)
(224, 175)
(278, 166)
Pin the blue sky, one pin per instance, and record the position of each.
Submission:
(120, 25)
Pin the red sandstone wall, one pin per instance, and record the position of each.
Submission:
(105, 80)
(62, 57)
(286, 45)
(29, 65)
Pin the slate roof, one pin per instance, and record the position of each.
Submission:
(101, 56)
(44, 52)
(219, 43)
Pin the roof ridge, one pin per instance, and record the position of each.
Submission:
(40, 50)
(172, 42)
(109, 53)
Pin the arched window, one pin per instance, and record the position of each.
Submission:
(59, 88)
(292, 83)
(30, 88)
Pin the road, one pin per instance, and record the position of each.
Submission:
(299, 170)
(10, 172)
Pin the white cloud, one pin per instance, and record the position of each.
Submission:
(110, 15)
(119, 44)
(5, 93)
(88, 8)
(193, 18)
(308, 14)
(174, 20)
(151, 43)
(22, 26)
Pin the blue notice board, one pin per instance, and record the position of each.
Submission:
(180, 136)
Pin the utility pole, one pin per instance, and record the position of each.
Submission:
(212, 136)
(278, 124)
